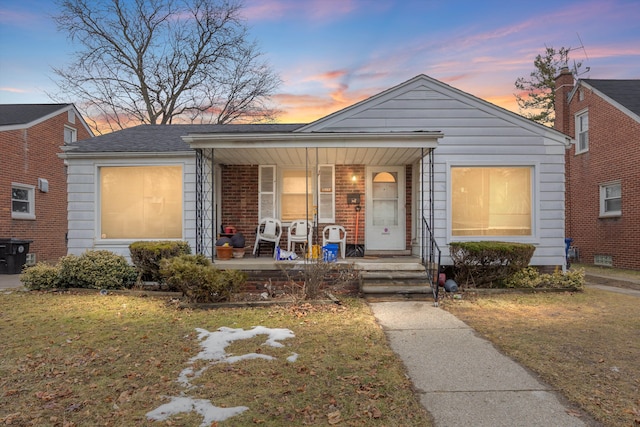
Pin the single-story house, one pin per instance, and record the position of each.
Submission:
(405, 172)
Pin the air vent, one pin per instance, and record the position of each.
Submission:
(31, 259)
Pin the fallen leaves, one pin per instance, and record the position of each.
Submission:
(114, 370)
(334, 417)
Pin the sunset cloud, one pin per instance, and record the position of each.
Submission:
(331, 54)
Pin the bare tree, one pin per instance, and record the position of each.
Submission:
(163, 61)
(538, 98)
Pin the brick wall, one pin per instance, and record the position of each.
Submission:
(613, 156)
(29, 154)
(240, 201)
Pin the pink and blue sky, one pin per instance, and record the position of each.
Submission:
(333, 53)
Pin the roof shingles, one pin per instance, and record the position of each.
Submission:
(624, 92)
(21, 114)
(166, 138)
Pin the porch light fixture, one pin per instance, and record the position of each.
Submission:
(354, 178)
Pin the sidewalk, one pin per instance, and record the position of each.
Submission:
(462, 379)
(9, 281)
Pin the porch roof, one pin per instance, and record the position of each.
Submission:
(370, 148)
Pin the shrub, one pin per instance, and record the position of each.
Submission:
(530, 278)
(96, 270)
(199, 280)
(317, 276)
(41, 276)
(146, 256)
(486, 263)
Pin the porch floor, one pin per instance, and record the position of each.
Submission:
(366, 263)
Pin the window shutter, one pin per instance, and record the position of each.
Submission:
(267, 192)
(326, 194)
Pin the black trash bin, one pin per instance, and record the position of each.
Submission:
(13, 255)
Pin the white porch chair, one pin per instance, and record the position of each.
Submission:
(299, 232)
(269, 230)
(335, 234)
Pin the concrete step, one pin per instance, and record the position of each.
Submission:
(409, 280)
(395, 289)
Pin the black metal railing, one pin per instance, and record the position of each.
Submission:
(431, 257)
(431, 254)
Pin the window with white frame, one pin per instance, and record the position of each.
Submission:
(141, 202)
(289, 193)
(23, 201)
(491, 201)
(296, 197)
(70, 135)
(582, 132)
(611, 199)
(326, 194)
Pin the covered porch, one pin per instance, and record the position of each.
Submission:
(390, 218)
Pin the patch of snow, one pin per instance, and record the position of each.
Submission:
(213, 349)
(234, 359)
(209, 412)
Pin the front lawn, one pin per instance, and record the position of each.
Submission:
(584, 344)
(88, 359)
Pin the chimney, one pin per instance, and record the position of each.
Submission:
(564, 85)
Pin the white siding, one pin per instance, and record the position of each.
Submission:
(83, 204)
(474, 132)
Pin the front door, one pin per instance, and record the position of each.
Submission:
(385, 208)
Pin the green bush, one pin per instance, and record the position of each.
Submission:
(146, 256)
(41, 276)
(530, 278)
(197, 278)
(96, 270)
(487, 263)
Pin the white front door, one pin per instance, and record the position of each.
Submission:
(385, 208)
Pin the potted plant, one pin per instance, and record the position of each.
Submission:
(224, 251)
(237, 241)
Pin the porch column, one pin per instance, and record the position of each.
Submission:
(205, 210)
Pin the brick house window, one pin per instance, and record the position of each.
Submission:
(611, 199)
(491, 201)
(22, 201)
(326, 194)
(70, 135)
(296, 198)
(582, 132)
(141, 202)
(289, 193)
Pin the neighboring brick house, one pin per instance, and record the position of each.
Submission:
(602, 168)
(33, 182)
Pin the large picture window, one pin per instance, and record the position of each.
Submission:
(491, 201)
(141, 202)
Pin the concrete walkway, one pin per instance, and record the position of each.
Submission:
(9, 281)
(461, 379)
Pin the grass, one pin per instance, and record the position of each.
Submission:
(586, 344)
(84, 359)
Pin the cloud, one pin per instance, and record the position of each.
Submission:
(24, 19)
(13, 90)
(315, 11)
